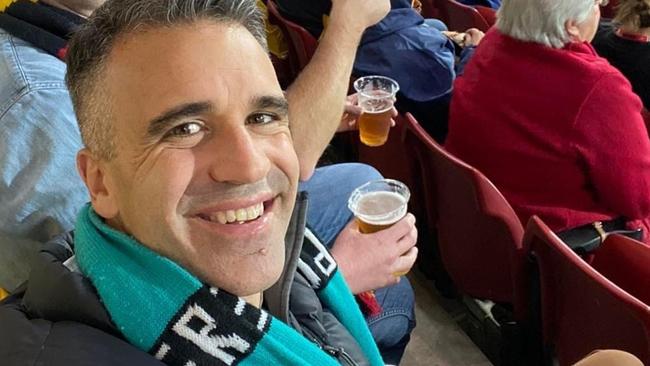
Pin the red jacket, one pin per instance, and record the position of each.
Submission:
(558, 131)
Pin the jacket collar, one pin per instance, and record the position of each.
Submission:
(277, 297)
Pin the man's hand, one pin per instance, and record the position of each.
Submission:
(352, 112)
(360, 14)
(370, 261)
(472, 37)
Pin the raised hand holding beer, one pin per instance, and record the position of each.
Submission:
(352, 112)
(376, 96)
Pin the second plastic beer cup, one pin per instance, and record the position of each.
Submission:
(376, 95)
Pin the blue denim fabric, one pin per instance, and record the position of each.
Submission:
(328, 213)
(392, 328)
(329, 189)
(40, 190)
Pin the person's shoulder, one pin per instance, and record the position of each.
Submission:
(57, 318)
(24, 67)
(28, 339)
(583, 62)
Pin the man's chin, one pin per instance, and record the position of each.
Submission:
(250, 274)
(254, 285)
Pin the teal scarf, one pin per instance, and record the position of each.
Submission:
(164, 310)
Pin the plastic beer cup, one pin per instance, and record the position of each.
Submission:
(379, 204)
(376, 96)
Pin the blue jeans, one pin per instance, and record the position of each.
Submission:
(327, 214)
(435, 23)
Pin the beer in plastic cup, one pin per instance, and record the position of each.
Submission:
(376, 95)
(379, 204)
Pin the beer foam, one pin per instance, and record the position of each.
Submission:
(380, 208)
(373, 105)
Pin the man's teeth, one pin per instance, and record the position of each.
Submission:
(240, 215)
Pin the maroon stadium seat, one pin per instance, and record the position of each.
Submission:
(391, 158)
(429, 9)
(581, 309)
(489, 14)
(626, 262)
(460, 17)
(479, 234)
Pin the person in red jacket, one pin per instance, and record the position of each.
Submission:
(556, 128)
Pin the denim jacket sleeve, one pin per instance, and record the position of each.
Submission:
(40, 190)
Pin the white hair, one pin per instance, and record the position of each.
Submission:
(542, 21)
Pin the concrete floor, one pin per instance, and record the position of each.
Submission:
(437, 340)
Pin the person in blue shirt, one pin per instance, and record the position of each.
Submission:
(418, 53)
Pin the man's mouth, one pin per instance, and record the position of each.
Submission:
(238, 216)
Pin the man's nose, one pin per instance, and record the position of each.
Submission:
(241, 157)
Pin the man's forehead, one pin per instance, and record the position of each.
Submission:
(184, 43)
(162, 67)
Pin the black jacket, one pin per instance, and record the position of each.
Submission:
(58, 319)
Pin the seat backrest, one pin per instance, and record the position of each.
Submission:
(302, 44)
(429, 9)
(416, 142)
(626, 262)
(489, 14)
(581, 309)
(391, 158)
(479, 234)
(460, 17)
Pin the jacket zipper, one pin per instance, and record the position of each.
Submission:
(337, 353)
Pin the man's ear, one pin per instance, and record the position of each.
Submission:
(571, 27)
(93, 171)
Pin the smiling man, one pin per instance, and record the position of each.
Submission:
(198, 163)
(191, 251)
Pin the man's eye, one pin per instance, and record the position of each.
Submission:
(186, 129)
(262, 118)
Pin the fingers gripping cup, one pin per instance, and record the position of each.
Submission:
(376, 95)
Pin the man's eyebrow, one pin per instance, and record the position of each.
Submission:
(158, 125)
(279, 104)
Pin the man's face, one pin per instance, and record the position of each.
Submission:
(205, 172)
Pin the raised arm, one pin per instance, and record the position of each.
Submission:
(317, 97)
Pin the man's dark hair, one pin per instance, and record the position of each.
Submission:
(93, 42)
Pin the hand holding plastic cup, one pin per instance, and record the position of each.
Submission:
(379, 204)
(376, 96)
